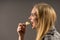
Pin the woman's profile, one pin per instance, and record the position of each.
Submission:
(42, 18)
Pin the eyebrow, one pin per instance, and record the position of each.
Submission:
(34, 14)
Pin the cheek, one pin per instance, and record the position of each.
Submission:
(36, 20)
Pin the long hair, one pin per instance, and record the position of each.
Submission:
(46, 19)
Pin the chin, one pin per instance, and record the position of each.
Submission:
(33, 26)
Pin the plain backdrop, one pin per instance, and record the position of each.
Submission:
(14, 11)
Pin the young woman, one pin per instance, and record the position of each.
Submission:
(42, 18)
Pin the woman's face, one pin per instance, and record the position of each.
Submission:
(33, 17)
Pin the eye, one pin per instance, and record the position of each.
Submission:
(34, 14)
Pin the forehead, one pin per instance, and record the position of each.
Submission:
(34, 10)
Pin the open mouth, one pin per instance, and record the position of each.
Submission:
(32, 23)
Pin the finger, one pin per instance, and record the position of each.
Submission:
(20, 24)
(18, 29)
(21, 29)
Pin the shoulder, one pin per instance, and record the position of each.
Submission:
(53, 35)
(57, 35)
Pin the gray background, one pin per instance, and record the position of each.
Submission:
(14, 11)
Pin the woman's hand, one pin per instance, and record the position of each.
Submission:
(21, 30)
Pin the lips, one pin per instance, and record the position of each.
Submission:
(32, 23)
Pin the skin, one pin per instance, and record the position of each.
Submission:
(22, 27)
(33, 17)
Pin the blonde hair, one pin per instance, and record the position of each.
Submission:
(46, 18)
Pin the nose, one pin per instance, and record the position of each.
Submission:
(29, 17)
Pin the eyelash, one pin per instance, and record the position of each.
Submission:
(33, 15)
